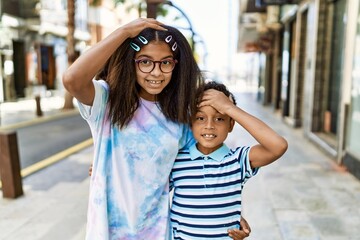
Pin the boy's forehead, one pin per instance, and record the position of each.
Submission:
(207, 109)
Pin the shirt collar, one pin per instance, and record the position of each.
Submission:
(217, 155)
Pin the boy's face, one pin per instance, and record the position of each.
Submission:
(210, 129)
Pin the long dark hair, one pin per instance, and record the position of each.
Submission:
(177, 100)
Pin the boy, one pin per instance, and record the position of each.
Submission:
(208, 177)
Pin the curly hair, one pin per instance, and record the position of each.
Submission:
(213, 85)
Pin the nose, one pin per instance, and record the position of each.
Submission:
(156, 71)
(209, 124)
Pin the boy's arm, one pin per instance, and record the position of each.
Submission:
(271, 145)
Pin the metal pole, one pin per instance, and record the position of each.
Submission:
(151, 8)
(39, 112)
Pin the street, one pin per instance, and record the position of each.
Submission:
(39, 141)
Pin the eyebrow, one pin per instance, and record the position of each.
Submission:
(147, 56)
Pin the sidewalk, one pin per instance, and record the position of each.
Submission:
(53, 205)
(302, 196)
(55, 199)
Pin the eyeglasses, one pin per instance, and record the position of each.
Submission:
(146, 65)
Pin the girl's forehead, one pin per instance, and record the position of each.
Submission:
(155, 49)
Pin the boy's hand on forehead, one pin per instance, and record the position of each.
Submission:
(217, 100)
(135, 27)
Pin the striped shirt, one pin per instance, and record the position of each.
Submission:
(207, 192)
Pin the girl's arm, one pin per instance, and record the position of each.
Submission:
(78, 77)
(271, 145)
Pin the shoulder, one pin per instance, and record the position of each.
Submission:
(239, 154)
(239, 151)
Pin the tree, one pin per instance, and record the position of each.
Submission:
(71, 55)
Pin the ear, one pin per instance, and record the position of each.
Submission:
(231, 125)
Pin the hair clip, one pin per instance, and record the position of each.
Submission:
(174, 46)
(168, 38)
(134, 46)
(143, 40)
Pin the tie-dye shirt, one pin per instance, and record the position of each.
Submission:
(129, 189)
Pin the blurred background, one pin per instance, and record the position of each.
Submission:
(294, 63)
(299, 56)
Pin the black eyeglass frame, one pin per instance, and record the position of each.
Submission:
(174, 61)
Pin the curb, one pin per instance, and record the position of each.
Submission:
(42, 119)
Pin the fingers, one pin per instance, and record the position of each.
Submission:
(209, 97)
(152, 23)
(216, 99)
(244, 225)
(155, 24)
(238, 234)
(135, 27)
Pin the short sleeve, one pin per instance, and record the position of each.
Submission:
(92, 113)
(244, 161)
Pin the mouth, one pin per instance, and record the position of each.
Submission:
(156, 82)
(208, 136)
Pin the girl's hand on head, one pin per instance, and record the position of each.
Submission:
(217, 100)
(135, 27)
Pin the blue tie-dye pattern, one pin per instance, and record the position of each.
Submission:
(117, 137)
(129, 188)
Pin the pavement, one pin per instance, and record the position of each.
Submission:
(304, 195)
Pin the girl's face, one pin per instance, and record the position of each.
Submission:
(153, 82)
(210, 129)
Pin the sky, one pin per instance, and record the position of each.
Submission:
(215, 21)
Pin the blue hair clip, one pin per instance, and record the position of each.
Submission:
(134, 46)
(143, 40)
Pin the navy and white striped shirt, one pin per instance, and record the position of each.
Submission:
(207, 192)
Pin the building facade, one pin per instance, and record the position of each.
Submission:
(33, 45)
(310, 70)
